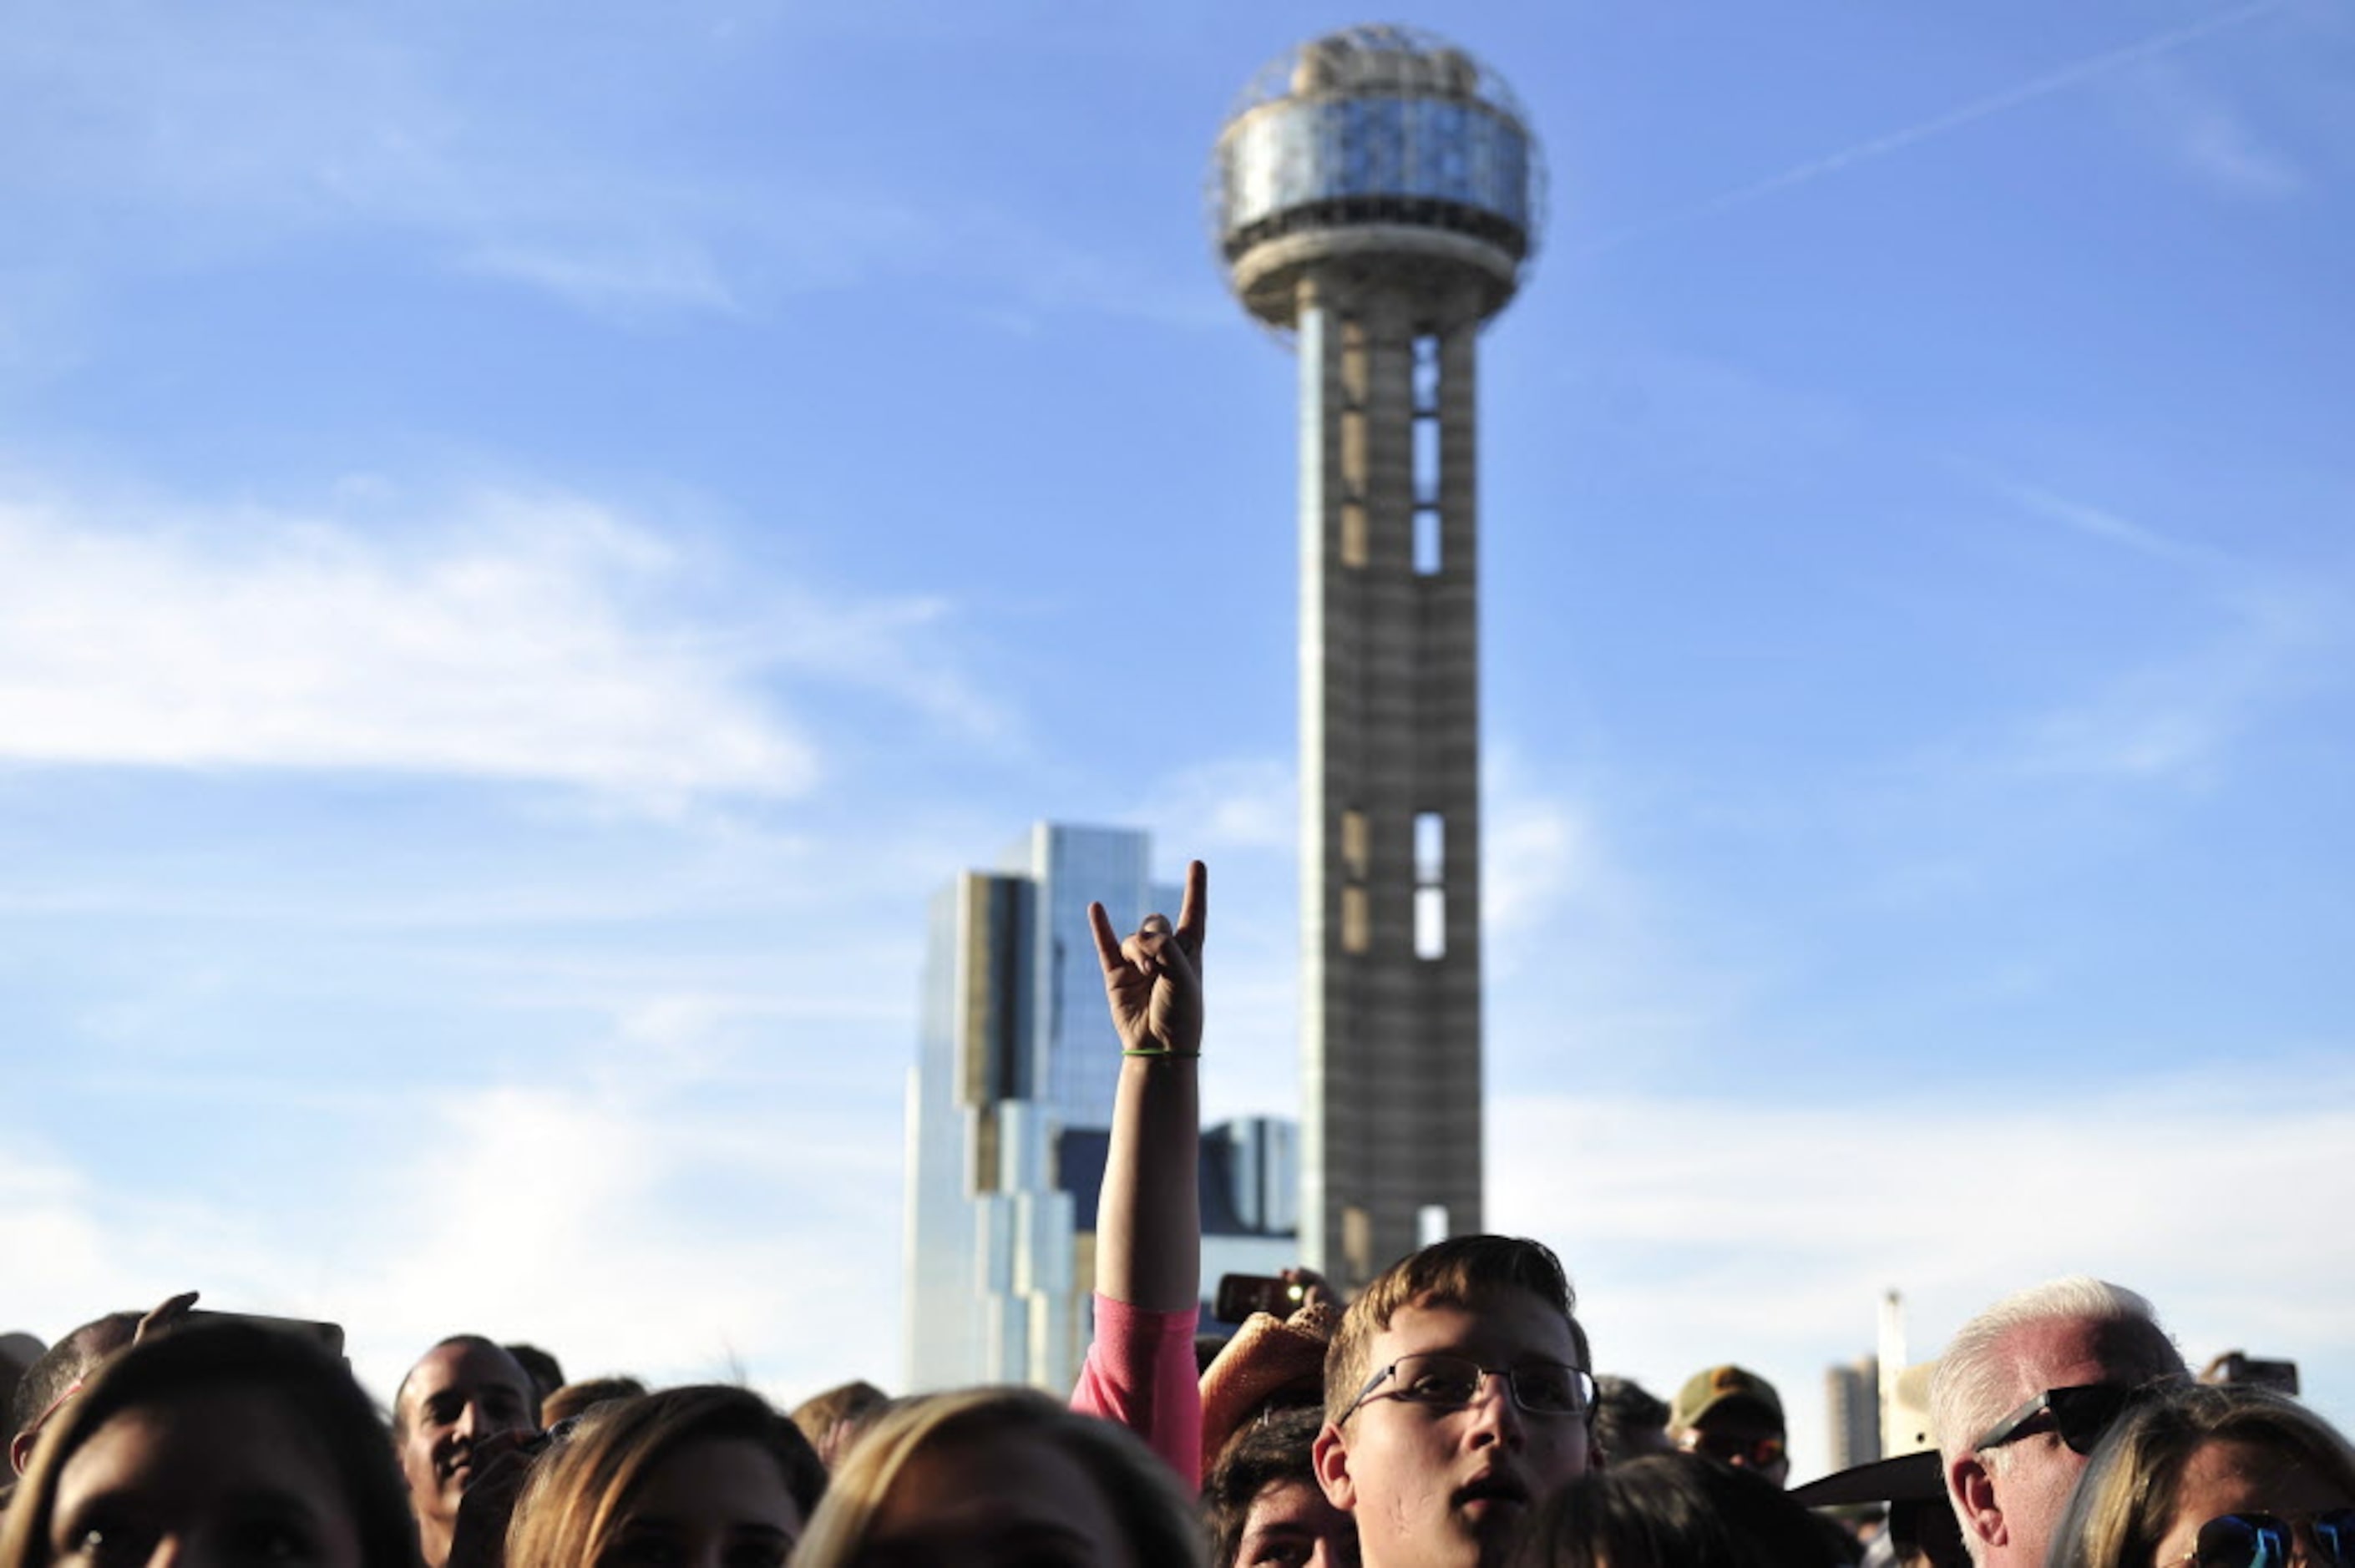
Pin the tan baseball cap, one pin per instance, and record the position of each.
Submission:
(1705, 1391)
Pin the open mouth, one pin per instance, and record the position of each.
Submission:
(1491, 1491)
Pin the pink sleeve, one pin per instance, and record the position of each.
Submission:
(1140, 1372)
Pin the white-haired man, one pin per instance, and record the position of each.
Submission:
(2021, 1395)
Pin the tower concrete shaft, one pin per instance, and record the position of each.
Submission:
(1375, 194)
(1390, 721)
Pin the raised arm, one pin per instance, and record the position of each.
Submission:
(1140, 1366)
(1148, 1217)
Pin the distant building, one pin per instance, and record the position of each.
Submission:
(1009, 1109)
(1852, 1412)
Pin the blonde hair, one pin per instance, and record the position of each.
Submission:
(580, 1496)
(2127, 1498)
(1462, 1271)
(1154, 1515)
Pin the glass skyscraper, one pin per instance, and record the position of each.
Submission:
(1009, 1108)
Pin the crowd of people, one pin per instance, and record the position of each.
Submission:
(1449, 1414)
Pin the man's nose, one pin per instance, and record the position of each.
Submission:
(195, 1548)
(471, 1421)
(1496, 1415)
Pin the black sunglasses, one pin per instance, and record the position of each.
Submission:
(2269, 1540)
(2079, 1415)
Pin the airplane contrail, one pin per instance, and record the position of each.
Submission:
(2053, 82)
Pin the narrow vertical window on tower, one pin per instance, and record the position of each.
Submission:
(1430, 885)
(1353, 363)
(1427, 454)
(1356, 864)
(1353, 542)
(1426, 374)
(1357, 920)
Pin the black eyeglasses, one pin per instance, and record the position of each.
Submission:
(2269, 1540)
(1441, 1381)
(2079, 1415)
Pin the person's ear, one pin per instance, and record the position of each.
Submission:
(20, 1450)
(1330, 1453)
(1973, 1489)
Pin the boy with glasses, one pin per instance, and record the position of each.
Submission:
(1458, 1393)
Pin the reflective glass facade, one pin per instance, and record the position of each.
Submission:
(1075, 1060)
(1299, 152)
(1015, 1052)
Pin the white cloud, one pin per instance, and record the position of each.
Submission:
(1247, 803)
(88, 1248)
(2208, 135)
(627, 1233)
(1701, 1230)
(2178, 720)
(1560, 900)
(612, 279)
(1539, 852)
(616, 1226)
(629, 1227)
(531, 637)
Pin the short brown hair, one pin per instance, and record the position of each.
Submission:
(828, 1419)
(1278, 1448)
(1462, 1271)
(578, 1398)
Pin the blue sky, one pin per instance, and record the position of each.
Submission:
(533, 537)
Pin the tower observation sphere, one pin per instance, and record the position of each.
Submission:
(1375, 194)
(1379, 146)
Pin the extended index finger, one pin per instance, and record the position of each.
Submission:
(1107, 940)
(1194, 914)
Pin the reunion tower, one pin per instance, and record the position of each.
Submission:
(1376, 194)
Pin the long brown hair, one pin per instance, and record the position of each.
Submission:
(1155, 1516)
(315, 1387)
(582, 1494)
